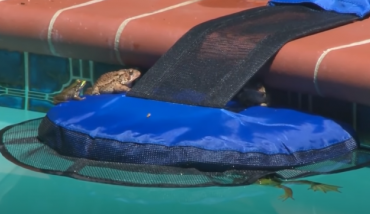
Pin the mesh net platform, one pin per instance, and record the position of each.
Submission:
(19, 144)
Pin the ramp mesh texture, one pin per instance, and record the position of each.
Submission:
(214, 60)
(19, 144)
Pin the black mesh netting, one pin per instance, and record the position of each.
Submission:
(19, 144)
(214, 60)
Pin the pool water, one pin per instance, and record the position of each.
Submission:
(23, 191)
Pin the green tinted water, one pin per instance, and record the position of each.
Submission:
(27, 192)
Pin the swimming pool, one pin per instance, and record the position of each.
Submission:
(25, 191)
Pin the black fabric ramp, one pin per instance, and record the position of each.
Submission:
(212, 62)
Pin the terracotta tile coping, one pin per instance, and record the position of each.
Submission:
(333, 63)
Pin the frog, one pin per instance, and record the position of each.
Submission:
(288, 193)
(253, 94)
(114, 82)
(72, 92)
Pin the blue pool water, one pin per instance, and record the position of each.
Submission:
(23, 191)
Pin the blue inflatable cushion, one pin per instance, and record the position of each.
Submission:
(359, 7)
(117, 128)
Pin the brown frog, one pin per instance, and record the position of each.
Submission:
(72, 92)
(114, 82)
(253, 93)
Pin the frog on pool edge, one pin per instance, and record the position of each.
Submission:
(72, 92)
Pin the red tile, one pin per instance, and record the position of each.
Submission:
(341, 74)
(144, 40)
(89, 32)
(24, 27)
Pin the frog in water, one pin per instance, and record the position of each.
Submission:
(288, 193)
(72, 92)
(114, 82)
